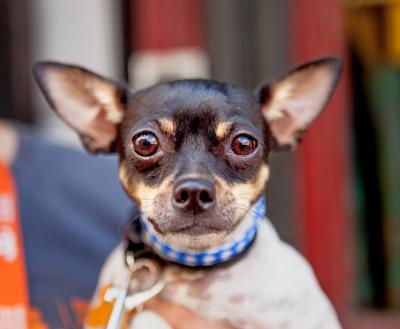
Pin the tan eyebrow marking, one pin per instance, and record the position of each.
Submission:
(223, 129)
(167, 125)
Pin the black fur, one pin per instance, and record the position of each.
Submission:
(195, 107)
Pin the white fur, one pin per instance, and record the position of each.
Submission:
(149, 320)
(271, 287)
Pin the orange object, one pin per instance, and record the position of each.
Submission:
(13, 285)
(100, 312)
(98, 315)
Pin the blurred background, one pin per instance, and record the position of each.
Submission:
(336, 199)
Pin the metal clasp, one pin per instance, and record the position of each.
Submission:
(144, 282)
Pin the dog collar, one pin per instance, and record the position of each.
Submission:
(210, 257)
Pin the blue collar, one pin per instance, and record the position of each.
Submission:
(210, 257)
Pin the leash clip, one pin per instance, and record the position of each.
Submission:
(144, 282)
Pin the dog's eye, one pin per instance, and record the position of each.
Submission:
(145, 144)
(243, 145)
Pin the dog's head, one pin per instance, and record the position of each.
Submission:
(193, 153)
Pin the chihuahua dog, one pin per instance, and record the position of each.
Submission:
(194, 159)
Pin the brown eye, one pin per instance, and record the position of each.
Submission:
(243, 145)
(145, 144)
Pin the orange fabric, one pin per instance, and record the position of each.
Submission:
(98, 315)
(35, 320)
(79, 307)
(13, 285)
(14, 299)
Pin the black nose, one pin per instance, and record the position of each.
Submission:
(194, 195)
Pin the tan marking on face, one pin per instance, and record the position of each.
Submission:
(126, 182)
(223, 129)
(145, 195)
(141, 193)
(261, 179)
(234, 202)
(241, 196)
(123, 173)
(246, 193)
(153, 198)
(167, 126)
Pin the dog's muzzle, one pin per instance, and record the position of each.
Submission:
(144, 237)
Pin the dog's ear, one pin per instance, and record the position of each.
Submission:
(293, 102)
(89, 103)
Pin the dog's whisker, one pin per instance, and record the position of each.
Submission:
(251, 211)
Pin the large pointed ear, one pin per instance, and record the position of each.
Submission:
(89, 103)
(292, 103)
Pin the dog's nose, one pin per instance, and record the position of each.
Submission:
(194, 195)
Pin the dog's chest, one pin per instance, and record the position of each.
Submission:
(271, 287)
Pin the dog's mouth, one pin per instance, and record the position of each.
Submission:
(198, 233)
(198, 230)
(193, 228)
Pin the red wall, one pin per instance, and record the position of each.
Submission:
(323, 190)
(159, 24)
